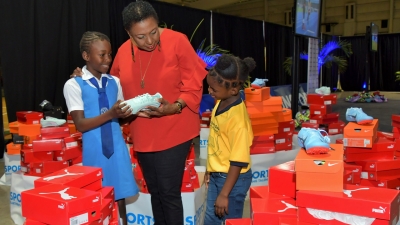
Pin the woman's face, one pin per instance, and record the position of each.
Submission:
(145, 34)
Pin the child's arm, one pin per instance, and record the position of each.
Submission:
(84, 124)
(221, 204)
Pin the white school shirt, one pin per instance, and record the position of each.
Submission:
(73, 93)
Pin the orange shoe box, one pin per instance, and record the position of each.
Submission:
(282, 179)
(322, 172)
(60, 204)
(271, 210)
(257, 95)
(379, 203)
(284, 115)
(316, 99)
(73, 176)
(29, 117)
(13, 126)
(362, 136)
(264, 193)
(28, 129)
(13, 149)
(273, 104)
(320, 109)
(262, 118)
(243, 221)
(265, 129)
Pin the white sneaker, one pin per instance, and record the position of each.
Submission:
(140, 102)
(323, 90)
(52, 122)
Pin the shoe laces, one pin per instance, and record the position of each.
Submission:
(326, 137)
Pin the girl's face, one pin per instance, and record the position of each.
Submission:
(99, 58)
(145, 34)
(217, 90)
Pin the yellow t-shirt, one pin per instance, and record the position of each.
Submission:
(230, 138)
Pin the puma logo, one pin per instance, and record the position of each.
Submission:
(61, 175)
(349, 192)
(288, 206)
(62, 193)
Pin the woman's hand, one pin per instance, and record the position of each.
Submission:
(165, 109)
(77, 72)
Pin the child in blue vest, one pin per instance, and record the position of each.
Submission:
(93, 102)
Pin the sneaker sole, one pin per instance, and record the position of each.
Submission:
(317, 150)
(363, 122)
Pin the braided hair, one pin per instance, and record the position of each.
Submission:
(231, 71)
(89, 37)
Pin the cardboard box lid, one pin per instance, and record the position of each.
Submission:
(273, 206)
(332, 162)
(60, 198)
(353, 129)
(272, 101)
(381, 203)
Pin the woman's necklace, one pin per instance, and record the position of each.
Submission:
(144, 75)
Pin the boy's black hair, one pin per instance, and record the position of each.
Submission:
(89, 37)
(136, 12)
(232, 71)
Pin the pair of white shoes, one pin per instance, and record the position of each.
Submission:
(140, 102)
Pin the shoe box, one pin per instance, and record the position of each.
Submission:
(323, 172)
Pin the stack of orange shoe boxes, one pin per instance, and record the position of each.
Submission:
(321, 113)
(272, 125)
(73, 195)
(44, 150)
(190, 181)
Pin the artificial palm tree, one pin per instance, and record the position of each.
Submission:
(325, 56)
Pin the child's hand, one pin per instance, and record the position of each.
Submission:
(119, 112)
(221, 205)
(206, 179)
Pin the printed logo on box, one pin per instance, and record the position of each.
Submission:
(380, 210)
(15, 198)
(11, 169)
(260, 176)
